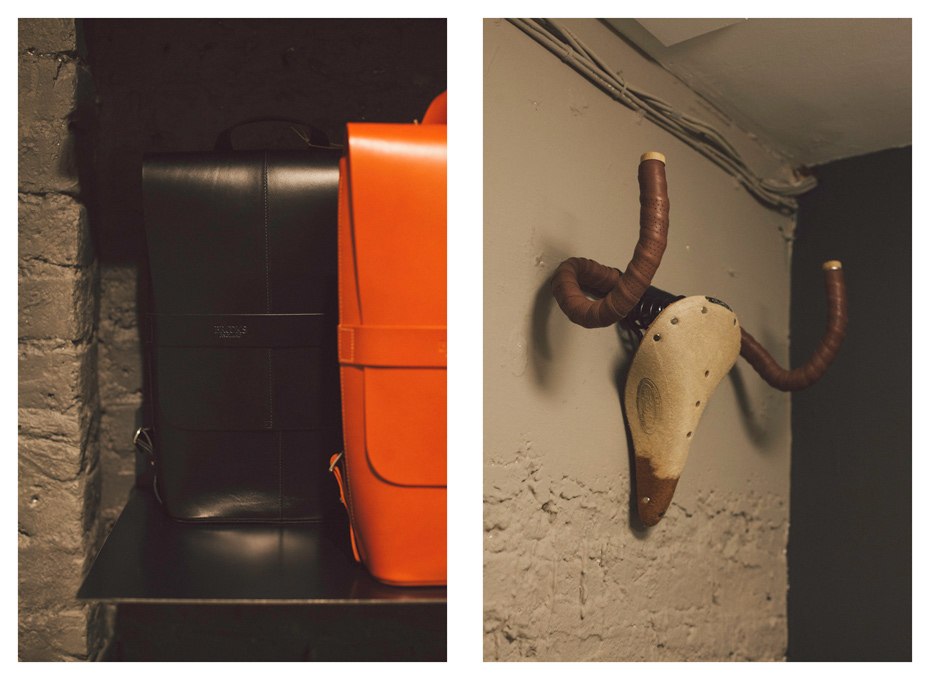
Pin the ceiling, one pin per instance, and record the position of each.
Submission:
(817, 90)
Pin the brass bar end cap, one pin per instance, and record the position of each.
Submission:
(832, 264)
(652, 156)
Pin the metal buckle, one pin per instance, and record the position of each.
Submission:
(145, 446)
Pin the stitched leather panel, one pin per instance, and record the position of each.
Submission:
(244, 375)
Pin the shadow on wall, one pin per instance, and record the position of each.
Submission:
(543, 349)
(756, 427)
(621, 371)
(544, 305)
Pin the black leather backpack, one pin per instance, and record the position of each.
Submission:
(241, 347)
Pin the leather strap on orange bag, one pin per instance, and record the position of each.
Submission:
(407, 346)
(334, 468)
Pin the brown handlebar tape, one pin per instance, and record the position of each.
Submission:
(826, 351)
(622, 291)
(566, 287)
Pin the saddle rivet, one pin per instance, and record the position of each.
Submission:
(656, 337)
(646, 499)
(674, 321)
(703, 310)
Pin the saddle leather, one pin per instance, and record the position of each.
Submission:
(685, 353)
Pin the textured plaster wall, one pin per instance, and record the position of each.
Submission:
(569, 573)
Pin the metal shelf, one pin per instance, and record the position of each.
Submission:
(148, 558)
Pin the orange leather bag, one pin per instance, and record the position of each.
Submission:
(392, 346)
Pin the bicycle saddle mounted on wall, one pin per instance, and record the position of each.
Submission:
(688, 344)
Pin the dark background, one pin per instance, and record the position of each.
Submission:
(174, 84)
(849, 547)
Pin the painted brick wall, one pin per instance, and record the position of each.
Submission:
(59, 411)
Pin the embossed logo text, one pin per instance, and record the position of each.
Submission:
(230, 331)
(648, 405)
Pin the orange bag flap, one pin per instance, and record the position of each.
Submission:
(397, 208)
(405, 425)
